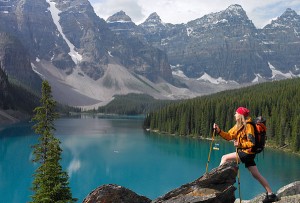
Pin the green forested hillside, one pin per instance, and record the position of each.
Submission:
(133, 104)
(277, 101)
(14, 96)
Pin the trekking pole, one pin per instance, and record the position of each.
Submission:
(239, 183)
(211, 144)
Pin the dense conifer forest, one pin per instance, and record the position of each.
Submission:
(133, 104)
(277, 101)
(14, 96)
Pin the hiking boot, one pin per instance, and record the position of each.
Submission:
(270, 198)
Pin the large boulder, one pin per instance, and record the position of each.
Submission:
(114, 194)
(215, 186)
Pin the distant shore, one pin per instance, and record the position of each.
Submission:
(10, 117)
(269, 145)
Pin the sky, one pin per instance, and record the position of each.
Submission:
(261, 12)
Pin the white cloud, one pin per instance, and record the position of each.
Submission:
(106, 8)
(178, 11)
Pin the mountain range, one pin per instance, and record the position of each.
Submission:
(88, 60)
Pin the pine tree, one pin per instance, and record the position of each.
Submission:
(50, 182)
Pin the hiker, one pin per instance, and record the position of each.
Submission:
(243, 135)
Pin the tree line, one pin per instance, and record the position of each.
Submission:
(132, 104)
(277, 101)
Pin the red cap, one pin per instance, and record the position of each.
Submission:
(243, 111)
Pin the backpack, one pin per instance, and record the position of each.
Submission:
(260, 129)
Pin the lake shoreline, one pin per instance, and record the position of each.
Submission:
(268, 145)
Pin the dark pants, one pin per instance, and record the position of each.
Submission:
(247, 159)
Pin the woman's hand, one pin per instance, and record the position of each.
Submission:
(217, 128)
(235, 143)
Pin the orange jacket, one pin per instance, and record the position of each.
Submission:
(245, 137)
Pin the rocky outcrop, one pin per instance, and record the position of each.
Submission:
(287, 194)
(215, 186)
(114, 194)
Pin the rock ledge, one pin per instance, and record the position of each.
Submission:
(213, 187)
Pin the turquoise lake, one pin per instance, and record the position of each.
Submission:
(99, 151)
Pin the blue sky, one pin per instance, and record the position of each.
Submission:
(261, 12)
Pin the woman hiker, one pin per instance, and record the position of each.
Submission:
(243, 135)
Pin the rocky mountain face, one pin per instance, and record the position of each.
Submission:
(66, 39)
(31, 23)
(15, 62)
(228, 45)
(88, 60)
(280, 42)
(70, 34)
(136, 53)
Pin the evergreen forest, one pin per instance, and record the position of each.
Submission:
(277, 101)
(133, 104)
(14, 96)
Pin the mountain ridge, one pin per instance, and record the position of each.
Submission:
(218, 51)
(219, 37)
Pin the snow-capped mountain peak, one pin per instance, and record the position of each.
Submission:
(288, 19)
(289, 13)
(153, 18)
(153, 24)
(235, 9)
(119, 17)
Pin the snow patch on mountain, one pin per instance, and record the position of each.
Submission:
(189, 30)
(109, 53)
(210, 79)
(277, 73)
(258, 78)
(179, 73)
(176, 71)
(221, 21)
(120, 21)
(76, 57)
(36, 71)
